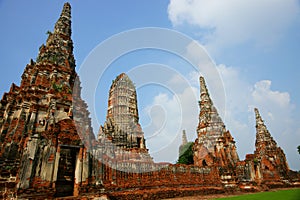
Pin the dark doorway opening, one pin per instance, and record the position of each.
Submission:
(204, 164)
(66, 172)
(139, 140)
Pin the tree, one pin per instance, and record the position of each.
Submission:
(298, 149)
(186, 154)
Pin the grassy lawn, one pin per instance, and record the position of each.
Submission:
(292, 194)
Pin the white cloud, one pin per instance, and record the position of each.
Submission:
(230, 22)
(172, 113)
(263, 93)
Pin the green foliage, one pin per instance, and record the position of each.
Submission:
(186, 154)
(255, 161)
(57, 88)
(48, 32)
(62, 87)
(292, 194)
(69, 91)
(53, 58)
(8, 167)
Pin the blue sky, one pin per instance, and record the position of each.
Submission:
(254, 45)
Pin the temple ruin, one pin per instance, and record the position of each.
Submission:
(268, 164)
(40, 148)
(48, 149)
(122, 121)
(214, 145)
(121, 133)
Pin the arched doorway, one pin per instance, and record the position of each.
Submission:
(66, 171)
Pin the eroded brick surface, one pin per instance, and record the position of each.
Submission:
(37, 117)
(121, 137)
(47, 148)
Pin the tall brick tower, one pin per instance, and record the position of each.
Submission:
(40, 144)
(122, 136)
(122, 120)
(214, 145)
(270, 159)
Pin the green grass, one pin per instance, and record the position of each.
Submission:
(292, 194)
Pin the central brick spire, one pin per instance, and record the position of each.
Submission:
(121, 136)
(122, 120)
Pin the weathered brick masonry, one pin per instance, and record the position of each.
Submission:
(47, 147)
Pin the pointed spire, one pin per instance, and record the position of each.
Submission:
(59, 46)
(63, 24)
(267, 151)
(184, 139)
(123, 112)
(262, 133)
(212, 135)
(208, 113)
(258, 117)
(203, 88)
